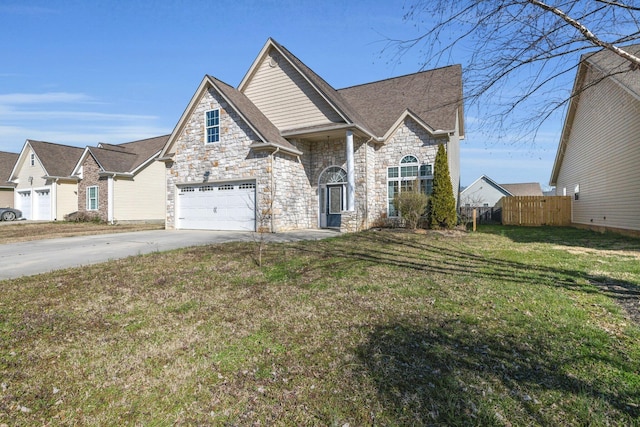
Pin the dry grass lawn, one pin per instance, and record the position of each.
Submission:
(25, 231)
(502, 327)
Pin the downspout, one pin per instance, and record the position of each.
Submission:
(110, 200)
(53, 202)
(273, 190)
(366, 183)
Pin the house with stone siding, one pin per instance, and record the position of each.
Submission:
(285, 150)
(123, 182)
(44, 188)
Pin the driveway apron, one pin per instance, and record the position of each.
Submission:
(43, 256)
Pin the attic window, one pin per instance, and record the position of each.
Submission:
(212, 126)
(32, 159)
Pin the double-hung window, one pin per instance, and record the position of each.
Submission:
(212, 126)
(410, 175)
(92, 198)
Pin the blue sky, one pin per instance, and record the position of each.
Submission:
(81, 72)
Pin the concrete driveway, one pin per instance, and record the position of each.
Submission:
(43, 256)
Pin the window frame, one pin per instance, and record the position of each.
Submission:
(32, 159)
(213, 136)
(91, 198)
(404, 175)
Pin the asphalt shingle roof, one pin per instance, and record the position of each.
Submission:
(432, 95)
(127, 157)
(7, 161)
(57, 159)
(618, 68)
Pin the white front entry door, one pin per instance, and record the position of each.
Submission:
(217, 206)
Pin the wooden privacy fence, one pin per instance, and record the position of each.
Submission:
(536, 210)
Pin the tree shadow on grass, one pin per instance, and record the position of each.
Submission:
(382, 248)
(432, 372)
(566, 236)
(452, 376)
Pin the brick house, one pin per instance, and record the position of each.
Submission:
(285, 150)
(122, 183)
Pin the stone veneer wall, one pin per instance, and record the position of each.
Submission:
(91, 177)
(281, 181)
(408, 139)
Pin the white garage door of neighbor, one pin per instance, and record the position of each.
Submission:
(43, 204)
(222, 206)
(24, 203)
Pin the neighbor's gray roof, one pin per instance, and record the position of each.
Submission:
(432, 95)
(523, 189)
(127, 157)
(616, 67)
(7, 162)
(57, 159)
(252, 114)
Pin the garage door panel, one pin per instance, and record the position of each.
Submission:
(227, 206)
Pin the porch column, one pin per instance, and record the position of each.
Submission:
(351, 174)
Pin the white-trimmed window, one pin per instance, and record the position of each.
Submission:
(32, 159)
(212, 126)
(409, 175)
(92, 198)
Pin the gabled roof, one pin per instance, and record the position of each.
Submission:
(434, 96)
(57, 160)
(523, 189)
(7, 161)
(488, 181)
(519, 189)
(125, 158)
(611, 66)
(265, 130)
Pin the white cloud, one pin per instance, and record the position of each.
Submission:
(43, 98)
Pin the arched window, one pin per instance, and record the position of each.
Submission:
(409, 175)
(333, 175)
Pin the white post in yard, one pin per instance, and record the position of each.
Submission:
(351, 175)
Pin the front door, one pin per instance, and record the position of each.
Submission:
(334, 205)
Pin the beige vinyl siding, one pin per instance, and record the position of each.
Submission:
(25, 170)
(143, 198)
(6, 198)
(286, 98)
(602, 157)
(66, 199)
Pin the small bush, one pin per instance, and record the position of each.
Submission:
(83, 217)
(412, 206)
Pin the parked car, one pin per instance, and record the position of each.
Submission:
(10, 214)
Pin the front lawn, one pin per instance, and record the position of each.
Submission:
(506, 326)
(21, 231)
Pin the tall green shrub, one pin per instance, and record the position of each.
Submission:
(442, 203)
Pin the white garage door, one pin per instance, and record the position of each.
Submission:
(222, 206)
(24, 203)
(43, 204)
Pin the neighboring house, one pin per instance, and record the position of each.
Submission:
(45, 189)
(599, 149)
(485, 192)
(7, 160)
(122, 183)
(285, 150)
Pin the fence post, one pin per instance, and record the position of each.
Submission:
(474, 219)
